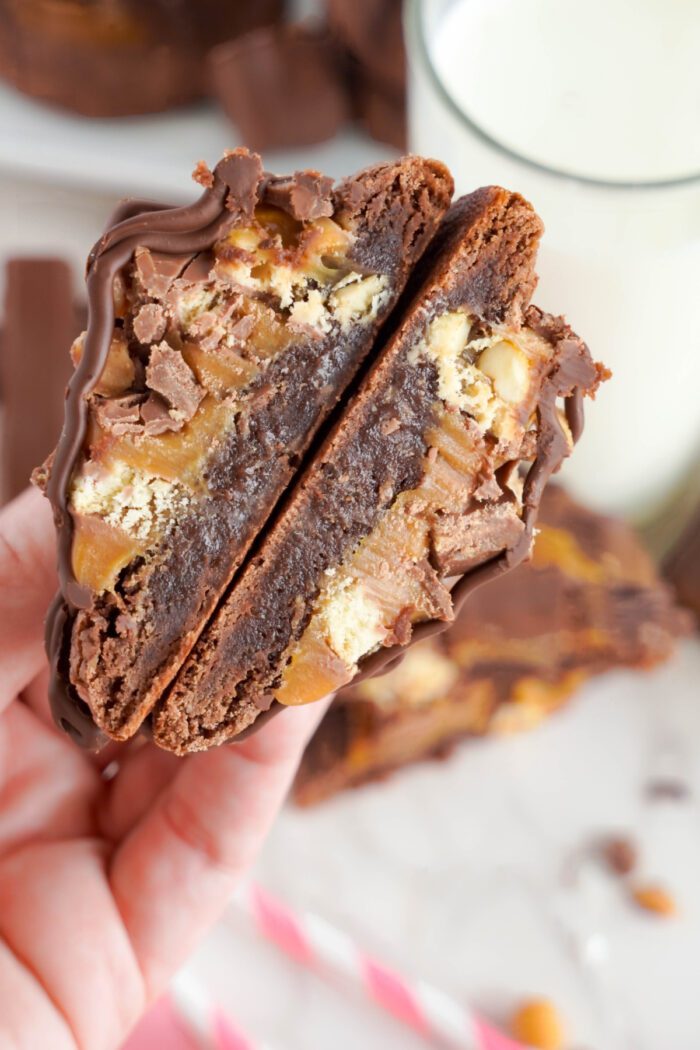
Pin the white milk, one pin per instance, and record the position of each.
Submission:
(604, 90)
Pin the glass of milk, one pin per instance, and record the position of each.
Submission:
(592, 111)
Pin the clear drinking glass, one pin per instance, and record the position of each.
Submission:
(559, 100)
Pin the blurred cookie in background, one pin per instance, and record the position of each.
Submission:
(107, 58)
(589, 601)
(40, 322)
(280, 84)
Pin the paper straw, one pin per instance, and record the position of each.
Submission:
(209, 1025)
(312, 941)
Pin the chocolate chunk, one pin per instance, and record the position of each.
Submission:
(120, 415)
(157, 270)
(304, 195)
(157, 418)
(242, 172)
(150, 323)
(168, 374)
(463, 541)
(280, 86)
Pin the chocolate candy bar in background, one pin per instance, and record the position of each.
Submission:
(370, 33)
(106, 58)
(39, 324)
(590, 600)
(682, 566)
(281, 86)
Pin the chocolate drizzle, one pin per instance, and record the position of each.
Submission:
(236, 185)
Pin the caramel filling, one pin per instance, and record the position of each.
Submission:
(182, 368)
(488, 390)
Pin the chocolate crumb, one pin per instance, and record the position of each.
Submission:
(619, 854)
(203, 175)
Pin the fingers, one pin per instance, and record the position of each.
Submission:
(27, 584)
(47, 787)
(143, 774)
(59, 918)
(175, 871)
(23, 997)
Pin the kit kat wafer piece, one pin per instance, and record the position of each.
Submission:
(220, 337)
(415, 488)
(589, 600)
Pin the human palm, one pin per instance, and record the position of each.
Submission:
(107, 882)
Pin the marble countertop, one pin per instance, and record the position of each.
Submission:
(478, 874)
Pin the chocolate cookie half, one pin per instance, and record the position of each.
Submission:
(414, 498)
(220, 336)
(588, 601)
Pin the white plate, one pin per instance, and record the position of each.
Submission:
(150, 156)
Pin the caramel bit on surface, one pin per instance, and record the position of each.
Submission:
(203, 175)
(537, 1023)
(653, 898)
(619, 854)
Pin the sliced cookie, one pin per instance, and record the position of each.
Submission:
(414, 499)
(220, 336)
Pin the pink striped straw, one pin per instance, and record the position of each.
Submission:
(314, 942)
(206, 1022)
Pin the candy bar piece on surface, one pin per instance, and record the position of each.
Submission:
(588, 601)
(220, 337)
(416, 486)
(281, 86)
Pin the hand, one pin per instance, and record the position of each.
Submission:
(107, 884)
